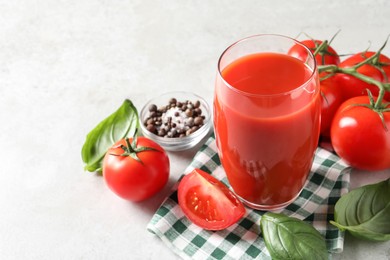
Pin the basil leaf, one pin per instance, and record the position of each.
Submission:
(290, 238)
(365, 212)
(122, 123)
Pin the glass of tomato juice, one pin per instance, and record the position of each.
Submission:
(266, 119)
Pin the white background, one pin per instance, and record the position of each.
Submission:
(67, 64)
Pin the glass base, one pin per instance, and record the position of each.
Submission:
(274, 207)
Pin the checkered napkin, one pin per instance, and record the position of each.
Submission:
(328, 180)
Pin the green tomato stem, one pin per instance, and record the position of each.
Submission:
(320, 48)
(383, 87)
(328, 68)
(353, 72)
(132, 149)
(373, 60)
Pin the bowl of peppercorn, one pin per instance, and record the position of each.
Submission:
(176, 120)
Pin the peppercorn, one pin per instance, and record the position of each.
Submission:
(176, 119)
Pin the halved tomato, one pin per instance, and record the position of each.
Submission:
(207, 202)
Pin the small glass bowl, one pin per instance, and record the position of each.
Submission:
(177, 143)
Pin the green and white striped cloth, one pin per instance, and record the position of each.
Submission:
(328, 180)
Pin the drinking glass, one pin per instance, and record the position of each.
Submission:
(267, 110)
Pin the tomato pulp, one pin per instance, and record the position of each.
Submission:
(267, 120)
(207, 202)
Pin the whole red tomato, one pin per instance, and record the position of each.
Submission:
(207, 202)
(353, 86)
(360, 137)
(327, 56)
(137, 169)
(332, 98)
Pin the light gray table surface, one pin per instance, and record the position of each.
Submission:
(65, 65)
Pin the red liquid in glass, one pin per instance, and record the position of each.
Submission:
(266, 129)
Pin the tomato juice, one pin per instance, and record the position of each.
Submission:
(267, 121)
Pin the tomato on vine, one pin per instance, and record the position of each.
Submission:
(332, 98)
(324, 53)
(360, 133)
(377, 69)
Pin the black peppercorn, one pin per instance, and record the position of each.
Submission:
(176, 119)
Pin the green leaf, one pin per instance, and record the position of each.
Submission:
(290, 238)
(122, 123)
(365, 212)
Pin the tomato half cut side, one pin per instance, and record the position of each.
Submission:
(207, 202)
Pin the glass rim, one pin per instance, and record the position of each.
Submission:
(301, 86)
